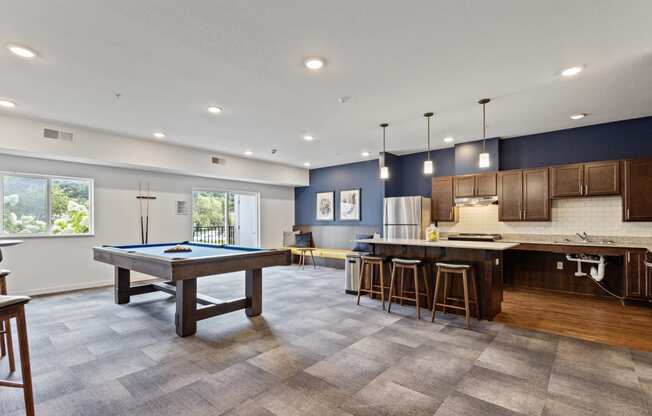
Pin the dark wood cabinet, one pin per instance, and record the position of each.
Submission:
(510, 195)
(483, 184)
(635, 275)
(523, 195)
(442, 200)
(567, 180)
(536, 200)
(585, 179)
(464, 186)
(602, 178)
(637, 199)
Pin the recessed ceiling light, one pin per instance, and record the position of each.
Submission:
(7, 104)
(159, 135)
(572, 71)
(248, 152)
(578, 116)
(306, 164)
(365, 154)
(448, 139)
(308, 138)
(22, 51)
(314, 63)
(214, 109)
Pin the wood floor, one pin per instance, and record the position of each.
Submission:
(588, 318)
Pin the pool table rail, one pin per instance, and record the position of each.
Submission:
(175, 269)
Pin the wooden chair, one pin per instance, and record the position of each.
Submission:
(367, 269)
(302, 256)
(402, 265)
(13, 307)
(3, 291)
(463, 271)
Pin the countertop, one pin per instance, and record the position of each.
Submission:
(616, 244)
(471, 245)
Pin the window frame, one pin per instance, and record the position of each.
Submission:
(49, 179)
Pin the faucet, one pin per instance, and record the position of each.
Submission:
(583, 236)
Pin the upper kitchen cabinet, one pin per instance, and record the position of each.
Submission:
(510, 195)
(464, 186)
(637, 200)
(536, 200)
(567, 180)
(585, 179)
(443, 205)
(602, 178)
(483, 184)
(523, 195)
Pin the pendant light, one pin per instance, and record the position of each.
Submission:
(384, 170)
(484, 160)
(428, 165)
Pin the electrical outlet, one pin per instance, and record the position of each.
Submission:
(560, 265)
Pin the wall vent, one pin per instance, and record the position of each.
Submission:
(57, 135)
(218, 160)
(182, 207)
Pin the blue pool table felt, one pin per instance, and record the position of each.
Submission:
(198, 250)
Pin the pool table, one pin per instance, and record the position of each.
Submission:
(180, 271)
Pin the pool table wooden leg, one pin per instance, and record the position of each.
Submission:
(186, 316)
(254, 291)
(121, 286)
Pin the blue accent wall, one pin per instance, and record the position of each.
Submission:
(617, 140)
(466, 156)
(411, 179)
(363, 175)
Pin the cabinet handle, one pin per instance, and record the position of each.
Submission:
(628, 257)
(627, 213)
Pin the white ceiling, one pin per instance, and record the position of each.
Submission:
(395, 59)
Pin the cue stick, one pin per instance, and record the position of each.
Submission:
(140, 208)
(147, 214)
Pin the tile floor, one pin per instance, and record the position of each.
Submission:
(313, 352)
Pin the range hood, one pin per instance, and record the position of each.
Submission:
(476, 201)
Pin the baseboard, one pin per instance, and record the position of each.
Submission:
(72, 288)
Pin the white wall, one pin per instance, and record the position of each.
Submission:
(24, 137)
(43, 265)
(599, 216)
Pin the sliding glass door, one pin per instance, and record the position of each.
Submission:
(223, 217)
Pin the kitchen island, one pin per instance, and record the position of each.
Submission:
(486, 258)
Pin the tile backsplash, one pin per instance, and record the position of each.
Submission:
(597, 216)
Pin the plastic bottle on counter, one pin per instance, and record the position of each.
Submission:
(432, 233)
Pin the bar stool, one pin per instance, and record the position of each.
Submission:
(14, 307)
(462, 270)
(410, 265)
(367, 268)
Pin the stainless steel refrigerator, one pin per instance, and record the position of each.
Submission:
(406, 217)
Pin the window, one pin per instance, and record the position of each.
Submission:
(35, 205)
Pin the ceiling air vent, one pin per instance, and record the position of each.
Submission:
(218, 161)
(57, 135)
